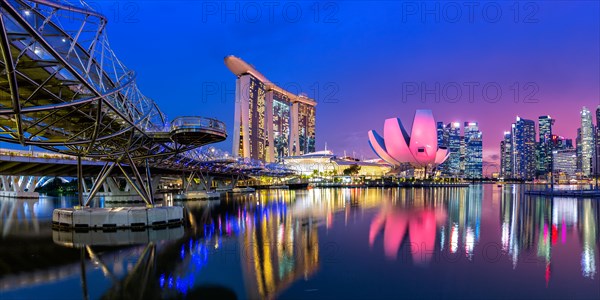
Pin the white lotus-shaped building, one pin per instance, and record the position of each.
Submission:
(420, 148)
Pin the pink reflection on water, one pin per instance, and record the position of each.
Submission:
(420, 225)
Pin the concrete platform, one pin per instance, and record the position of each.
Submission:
(116, 218)
(565, 193)
(78, 239)
(197, 195)
(20, 195)
(122, 197)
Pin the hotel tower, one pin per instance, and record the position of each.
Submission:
(269, 122)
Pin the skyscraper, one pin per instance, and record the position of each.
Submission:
(578, 150)
(463, 154)
(523, 147)
(565, 162)
(587, 142)
(506, 156)
(544, 147)
(443, 137)
(545, 124)
(453, 161)
(269, 122)
(596, 161)
(473, 151)
(442, 134)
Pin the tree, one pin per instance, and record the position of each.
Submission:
(352, 170)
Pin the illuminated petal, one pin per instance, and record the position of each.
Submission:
(441, 155)
(378, 145)
(423, 137)
(397, 141)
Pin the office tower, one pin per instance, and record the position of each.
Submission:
(565, 161)
(442, 135)
(597, 142)
(545, 124)
(523, 143)
(453, 161)
(443, 140)
(473, 151)
(506, 156)
(587, 142)
(269, 122)
(540, 158)
(463, 153)
(568, 144)
(578, 150)
(560, 143)
(544, 147)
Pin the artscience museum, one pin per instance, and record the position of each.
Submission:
(419, 149)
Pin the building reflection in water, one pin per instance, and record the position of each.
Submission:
(420, 214)
(276, 234)
(539, 224)
(22, 216)
(272, 237)
(464, 219)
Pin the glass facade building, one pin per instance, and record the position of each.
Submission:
(465, 151)
(565, 162)
(306, 129)
(578, 150)
(281, 124)
(587, 142)
(443, 141)
(596, 162)
(269, 122)
(253, 138)
(545, 145)
(506, 156)
(453, 162)
(473, 151)
(523, 147)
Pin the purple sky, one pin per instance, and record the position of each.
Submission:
(356, 57)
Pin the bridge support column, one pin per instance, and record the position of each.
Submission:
(18, 186)
(142, 188)
(197, 191)
(228, 184)
(111, 186)
(189, 182)
(149, 189)
(79, 181)
(104, 172)
(205, 181)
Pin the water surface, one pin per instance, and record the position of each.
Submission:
(481, 242)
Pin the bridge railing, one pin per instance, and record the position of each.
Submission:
(194, 123)
(37, 154)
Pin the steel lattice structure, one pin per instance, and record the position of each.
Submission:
(63, 88)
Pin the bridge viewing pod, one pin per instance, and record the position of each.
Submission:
(197, 130)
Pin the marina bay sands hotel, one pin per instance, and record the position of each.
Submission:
(269, 121)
